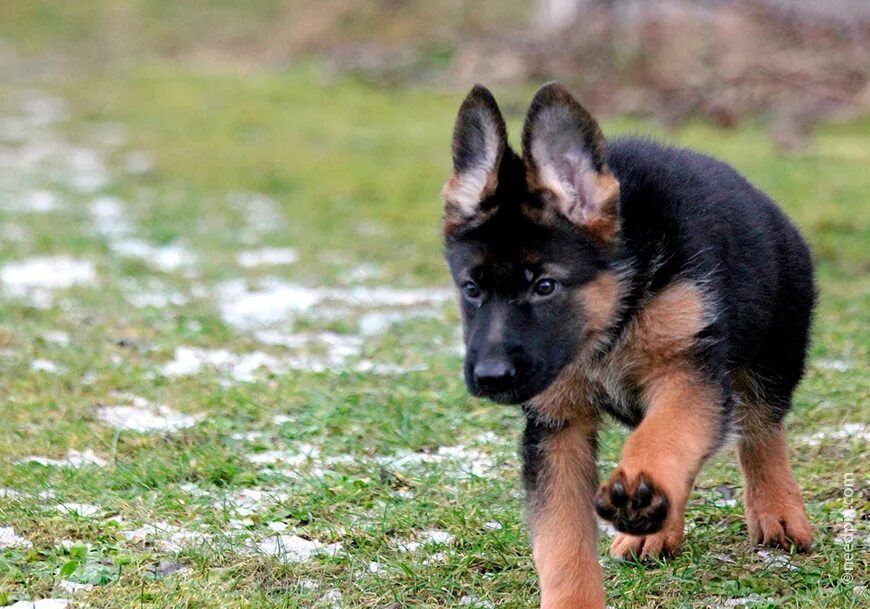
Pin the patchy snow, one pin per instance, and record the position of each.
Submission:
(166, 537)
(436, 558)
(302, 454)
(312, 352)
(370, 367)
(34, 201)
(336, 349)
(44, 603)
(276, 300)
(56, 337)
(465, 461)
(429, 537)
(248, 436)
(35, 277)
(472, 600)
(41, 109)
(73, 459)
(333, 597)
(45, 365)
(249, 501)
(166, 258)
(78, 509)
(260, 214)
(375, 567)
(73, 587)
(362, 273)
(378, 322)
(292, 548)
(844, 432)
(86, 171)
(192, 360)
(9, 493)
(8, 539)
(776, 560)
(109, 217)
(155, 299)
(492, 525)
(143, 416)
(837, 365)
(273, 302)
(267, 256)
(747, 601)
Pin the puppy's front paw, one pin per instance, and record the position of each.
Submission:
(637, 506)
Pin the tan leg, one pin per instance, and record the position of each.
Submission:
(775, 513)
(646, 496)
(562, 516)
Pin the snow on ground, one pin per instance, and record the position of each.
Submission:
(189, 361)
(166, 537)
(36, 278)
(8, 539)
(143, 416)
(472, 600)
(292, 548)
(431, 537)
(276, 300)
(73, 587)
(260, 214)
(267, 256)
(45, 365)
(72, 459)
(838, 365)
(249, 501)
(78, 509)
(45, 603)
(56, 337)
(32, 202)
(166, 258)
(844, 432)
(465, 461)
(109, 217)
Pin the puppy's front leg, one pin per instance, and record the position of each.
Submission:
(560, 475)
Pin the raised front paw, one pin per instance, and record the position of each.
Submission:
(633, 506)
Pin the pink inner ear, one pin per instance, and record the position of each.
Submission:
(575, 168)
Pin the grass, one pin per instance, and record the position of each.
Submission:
(350, 176)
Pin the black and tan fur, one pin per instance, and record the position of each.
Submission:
(649, 283)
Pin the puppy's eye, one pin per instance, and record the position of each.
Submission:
(544, 287)
(471, 290)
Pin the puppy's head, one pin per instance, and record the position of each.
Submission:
(529, 241)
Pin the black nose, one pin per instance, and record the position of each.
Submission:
(494, 374)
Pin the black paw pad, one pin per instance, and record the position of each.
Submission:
(640, 511)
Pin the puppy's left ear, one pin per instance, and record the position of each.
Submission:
(563, 149)
(479, 142)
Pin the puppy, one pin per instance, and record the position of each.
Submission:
(650, 283)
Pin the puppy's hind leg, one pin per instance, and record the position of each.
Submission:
(775, 513)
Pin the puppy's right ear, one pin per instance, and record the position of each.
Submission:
(479, 142)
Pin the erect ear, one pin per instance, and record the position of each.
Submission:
(563, 149)
(479, 142)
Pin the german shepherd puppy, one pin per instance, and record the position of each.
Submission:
(650, 283)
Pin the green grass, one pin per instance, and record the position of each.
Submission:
(353, 173)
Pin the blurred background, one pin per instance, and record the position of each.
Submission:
(791, 61)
